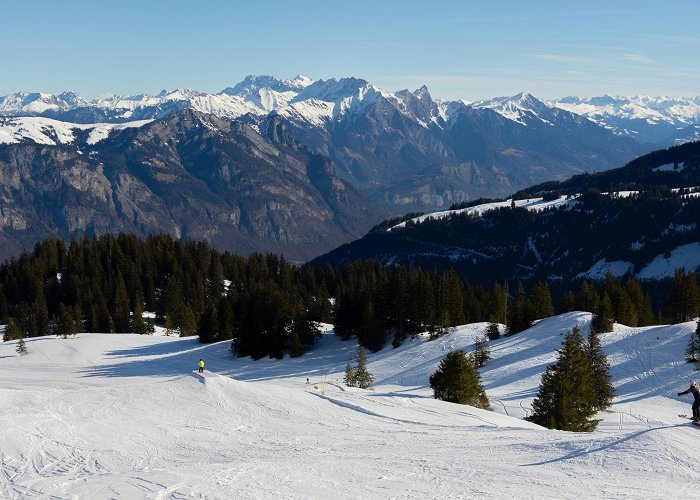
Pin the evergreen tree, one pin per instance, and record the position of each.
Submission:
(568, 302)
(566, 398)
(21, 347)
(692, 353)
(349, 379)
(493, 331)
(540, 301)
(481, 351)
(587, 299)
(603, 319)
(13, 331)
(458, 381)
(297, 348)
(120, 308)
(138, 324)
(188, 322)
(363, 378)
(683, 301)
(603, 389)
(208, 326)
(65, 324)
(518, 313)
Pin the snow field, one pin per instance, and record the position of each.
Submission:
(125, 416)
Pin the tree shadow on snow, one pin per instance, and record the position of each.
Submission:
(607, 446)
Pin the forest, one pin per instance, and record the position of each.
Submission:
(266, 306)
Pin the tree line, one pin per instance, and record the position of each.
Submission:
(267, 306)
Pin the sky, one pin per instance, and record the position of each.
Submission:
(459, 49)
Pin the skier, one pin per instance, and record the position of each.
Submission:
(201, 365)
(696, 403)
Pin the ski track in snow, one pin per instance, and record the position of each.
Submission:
(125, 416)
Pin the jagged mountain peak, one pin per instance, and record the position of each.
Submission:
(253, 84)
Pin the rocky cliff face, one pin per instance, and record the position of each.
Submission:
(242, 187)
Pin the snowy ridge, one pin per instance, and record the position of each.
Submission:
(54, 132)
(675, 110)
(535, 204)
(520, 108)
(648, 119)
(125, 416)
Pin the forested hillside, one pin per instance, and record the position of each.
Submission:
(268, 307)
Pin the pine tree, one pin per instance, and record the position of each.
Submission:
(481, 351)
(458, 381)
(349, 378)
(13, 331)
(188, 323)
(541, 301)
(692, 353)
(603, 317)
(683, 301)
(566, 398)
(603, 389)
(363, 378)
(138, 324)
(297, 348)
(21, 347)
(493, 331)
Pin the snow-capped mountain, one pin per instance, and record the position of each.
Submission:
(404, 150)
(649, 119)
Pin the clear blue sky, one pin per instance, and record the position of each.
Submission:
(460, 49)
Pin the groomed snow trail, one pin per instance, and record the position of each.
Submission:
(124, 416)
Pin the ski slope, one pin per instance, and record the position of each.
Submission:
(125, 416)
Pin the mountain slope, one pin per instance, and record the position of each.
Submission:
(189, 175)
(575, 232)
(123, 415)
(402, 149)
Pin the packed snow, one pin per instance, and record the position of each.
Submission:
(105, 416)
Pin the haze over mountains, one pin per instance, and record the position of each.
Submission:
(72, 165)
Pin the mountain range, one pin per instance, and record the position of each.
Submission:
(188, 174)
(403, 150)
(558, 232)
(296, 165)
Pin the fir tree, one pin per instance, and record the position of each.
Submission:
(458, 381)
(692, 353)
(363, 378)
(350, 376)
(603, 389)
(683, 301)
(13, 331)
(138, 324)
(603, 317)
(21, 347)
(566, 398)
(540, 301)
(481, 351)
(493, 331)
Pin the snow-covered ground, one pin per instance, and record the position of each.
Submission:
(110, 416)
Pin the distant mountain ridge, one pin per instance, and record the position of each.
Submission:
(403, 150)
(654, 119)
(558, 231)
(190, 175)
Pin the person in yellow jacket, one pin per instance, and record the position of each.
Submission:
(201, 365)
